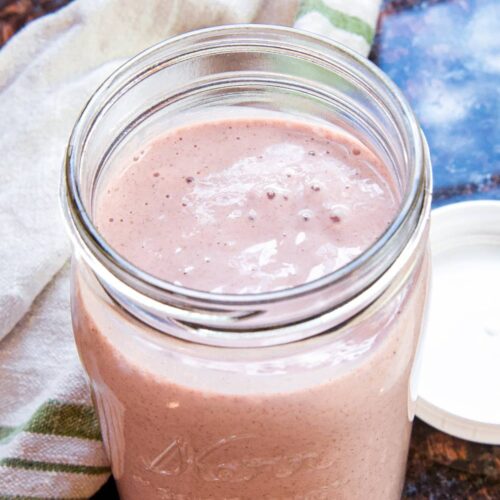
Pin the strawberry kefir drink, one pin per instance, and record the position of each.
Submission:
(249, 282)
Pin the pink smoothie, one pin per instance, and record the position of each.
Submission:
(248, 206)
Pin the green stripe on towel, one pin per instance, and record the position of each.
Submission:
(339, 19)
(59, 419)
(20, 463)
(65, 419)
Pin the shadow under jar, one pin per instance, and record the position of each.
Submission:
(305, 392)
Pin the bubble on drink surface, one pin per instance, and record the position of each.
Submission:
(235, 214)
(306, 214)
(188, 269)
(337, 212)
(300, 238)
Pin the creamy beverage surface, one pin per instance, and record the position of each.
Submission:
(248, 206)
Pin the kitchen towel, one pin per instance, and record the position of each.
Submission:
(50, 443)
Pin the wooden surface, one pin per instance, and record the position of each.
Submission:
(439, 466)
(14, 14)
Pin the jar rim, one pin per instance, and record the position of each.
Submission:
(86, 235)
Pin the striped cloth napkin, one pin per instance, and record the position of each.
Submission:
(50, 444)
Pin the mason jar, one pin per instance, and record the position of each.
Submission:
(300, 393)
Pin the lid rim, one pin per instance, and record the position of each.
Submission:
(457, 426)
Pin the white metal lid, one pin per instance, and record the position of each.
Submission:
(459, 379)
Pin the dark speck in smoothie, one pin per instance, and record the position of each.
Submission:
(335, 218)
(156, 174)
(189, 179)
(271, 195)
(356, 151)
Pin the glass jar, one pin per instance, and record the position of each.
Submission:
(302, 393)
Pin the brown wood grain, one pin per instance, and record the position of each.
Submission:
(14, 14)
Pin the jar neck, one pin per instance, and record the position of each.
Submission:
(274, 69)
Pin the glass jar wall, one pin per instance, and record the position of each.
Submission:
(297, 393)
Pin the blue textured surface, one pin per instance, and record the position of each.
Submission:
(445, 56)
